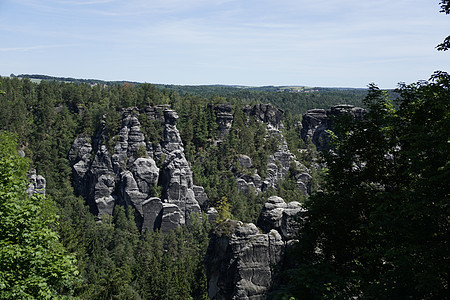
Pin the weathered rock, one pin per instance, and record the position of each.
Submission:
(239, 261)
(172, 139)
(37, 183)
(80, 158)
(146, 174)
(127, 174)
(213, 215)
(170, 218)
(224, 118)
(279, 162)
(105, 206)
(316, 122)
(304, 182)
(245, 161)
(201, 196)
(291, 220)
(271, 214)
(266, 113)
(178, 184)
(281, 216)
(152, 213)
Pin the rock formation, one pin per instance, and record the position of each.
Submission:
(266, 113)
(279, 162)
(241, 261)
(37, 183)
(281, 216)
(224, 118)
(316, 122)
(126, 172)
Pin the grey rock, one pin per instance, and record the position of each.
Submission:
(201, 196)
(304, 183)
(316, 122)
(224, 118)
(281, 216)
(130, 192)
(37, 183)
(105, 206)
(152, 213)
(245, 161)
(124, 172)
(213, 215)
(171, 217)
(104, 186)
(178, 184)
(271, 214)
(266, 113)
(146, 174)
(239, 261)
(293, 216)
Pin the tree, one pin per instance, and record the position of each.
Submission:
(380, 228)
(445, 8)
(33, 263)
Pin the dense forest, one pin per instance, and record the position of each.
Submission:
(114, 260)
(374, 208)
(46, 118)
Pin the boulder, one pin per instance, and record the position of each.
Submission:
(146, 174)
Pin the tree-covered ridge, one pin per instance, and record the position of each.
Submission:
(297, 100)
(380, 229)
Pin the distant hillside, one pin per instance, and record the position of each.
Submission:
(295, 99)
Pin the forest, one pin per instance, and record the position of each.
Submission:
(114, 260)
(375, 212)
(43, 119)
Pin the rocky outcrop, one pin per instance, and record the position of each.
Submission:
(281, 216)
(224, 118)
(279, 163)
(242, 261)
(37, 183)
(123, 171)
(316, 122)
(266, 113)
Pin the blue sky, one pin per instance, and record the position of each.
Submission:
(345, 43)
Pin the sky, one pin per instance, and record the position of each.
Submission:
(318, 43)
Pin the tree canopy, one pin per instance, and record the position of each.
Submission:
(33, 263)
(380, 229)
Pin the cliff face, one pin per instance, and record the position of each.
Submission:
(316, 122)
(127, 174)
(279, 162)
(241, 261)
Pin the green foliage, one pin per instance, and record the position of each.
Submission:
(380, 228)
(224, 209)
(445, 8)
(33, 263)
(114, 260)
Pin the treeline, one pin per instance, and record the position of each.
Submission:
(48, 116)
(285, 98)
